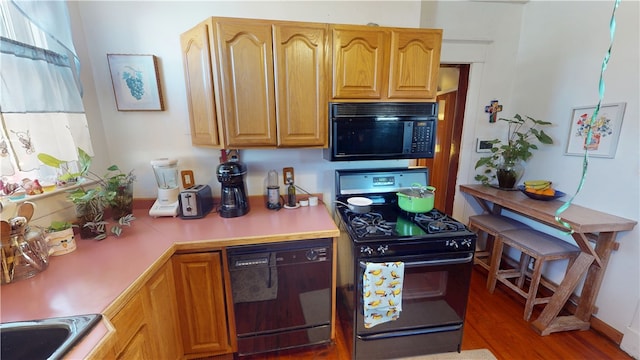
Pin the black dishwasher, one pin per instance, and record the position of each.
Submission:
(281, 294)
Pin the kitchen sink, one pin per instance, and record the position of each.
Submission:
(45, 338)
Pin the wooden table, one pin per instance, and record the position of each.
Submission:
(588, 226)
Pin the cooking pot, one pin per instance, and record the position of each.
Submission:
(417, 199)
(359, 205)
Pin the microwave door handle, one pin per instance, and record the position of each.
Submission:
(463, 260)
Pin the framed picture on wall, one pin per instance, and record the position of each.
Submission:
(135, 82)
(605, 130)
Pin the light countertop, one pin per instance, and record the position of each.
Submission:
(97, 273)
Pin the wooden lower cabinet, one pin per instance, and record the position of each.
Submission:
(201, 304)
(163, 314)
(147, 326)
(132, 328)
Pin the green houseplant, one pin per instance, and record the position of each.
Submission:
(59, 226)
(505, 161)
(91, 204)
(60, 238)
(113, 190)
(67, 174)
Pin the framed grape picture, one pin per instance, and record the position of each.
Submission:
(135, 82)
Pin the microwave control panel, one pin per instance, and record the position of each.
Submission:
(422, 135)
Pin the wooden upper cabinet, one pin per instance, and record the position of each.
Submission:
(245, 64)
(301, 83)
(359, 61)
(414, 64)
(267, 84)
(385, 63)
(196, 56)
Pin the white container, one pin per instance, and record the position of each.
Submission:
(61, 242)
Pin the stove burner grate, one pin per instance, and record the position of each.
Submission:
(435, 222)
(369, 224)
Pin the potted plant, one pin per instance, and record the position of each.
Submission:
(505, 161)
(67, 172)
(113, 190)
(60, 238)
(91, 204)
(122, 185)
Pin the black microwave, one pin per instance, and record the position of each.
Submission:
(381, 131)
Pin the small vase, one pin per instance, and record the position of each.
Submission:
(509, 174)
(61, 242)
(92, 213)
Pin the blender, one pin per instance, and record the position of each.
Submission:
(166, 172)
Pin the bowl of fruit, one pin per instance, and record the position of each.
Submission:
(540, 190)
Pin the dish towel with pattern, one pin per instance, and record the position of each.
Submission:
(382, 292)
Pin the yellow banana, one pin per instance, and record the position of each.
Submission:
(375, 303)
(381, 293)
(375, 272)
(367, 294)
(396, 292)
(537, 184)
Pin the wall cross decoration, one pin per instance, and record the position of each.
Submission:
(493, 109)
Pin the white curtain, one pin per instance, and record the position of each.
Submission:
(40, 95)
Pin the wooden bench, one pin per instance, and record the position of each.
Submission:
(487, 227)
(535, 245)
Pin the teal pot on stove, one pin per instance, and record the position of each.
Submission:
(417, 199)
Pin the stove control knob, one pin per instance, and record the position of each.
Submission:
(382, 249)
(452, 244)
(366, 249)
(312, 255)
(466, 243)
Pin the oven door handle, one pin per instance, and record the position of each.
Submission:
(394, 334)
(454, 261)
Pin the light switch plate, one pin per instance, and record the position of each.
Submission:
(483, 146)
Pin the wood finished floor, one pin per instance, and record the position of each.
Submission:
(494, 322)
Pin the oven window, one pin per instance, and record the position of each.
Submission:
(432, 296)
(367, 137)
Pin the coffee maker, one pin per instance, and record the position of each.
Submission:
(234, 201)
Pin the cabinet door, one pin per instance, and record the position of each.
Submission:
(245, 62)
(196, 57)
(301, 73)
(138, 347)
(359, 62)
(201, 305)
(163, 314)
(414, 64)
(132, 329)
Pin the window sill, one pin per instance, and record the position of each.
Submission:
(7, 199)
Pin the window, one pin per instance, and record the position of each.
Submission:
(41, 108)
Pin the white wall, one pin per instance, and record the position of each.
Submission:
(536, 58)
(555, 65)
(562, 48)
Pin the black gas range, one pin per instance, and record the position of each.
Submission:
(435, 250)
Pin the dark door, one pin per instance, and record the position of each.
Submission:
(444, 164)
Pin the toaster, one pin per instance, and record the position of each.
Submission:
(195, 202)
